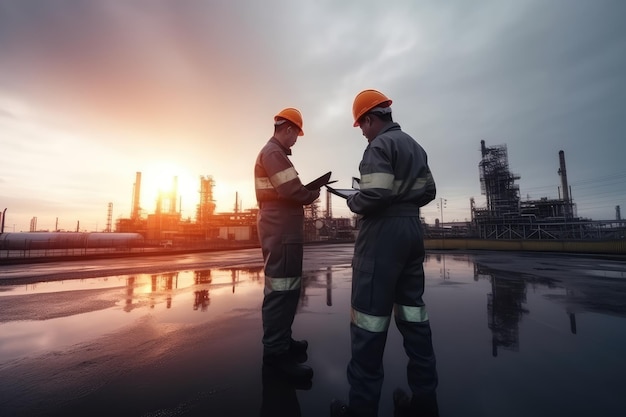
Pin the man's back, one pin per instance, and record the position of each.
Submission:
(394, 170)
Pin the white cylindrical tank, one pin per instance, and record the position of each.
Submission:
(68, 240)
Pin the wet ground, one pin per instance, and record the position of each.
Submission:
(515, 335)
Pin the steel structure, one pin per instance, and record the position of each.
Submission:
(206, 208)
(166, 224)
(497, 183)
(109, 218)
(506, 216)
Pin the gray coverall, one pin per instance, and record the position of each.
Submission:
(387, 268)
(280, 225)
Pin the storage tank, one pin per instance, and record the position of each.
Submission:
(68, 240)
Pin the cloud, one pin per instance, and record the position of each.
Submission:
(198, 83)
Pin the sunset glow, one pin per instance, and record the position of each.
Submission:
(158, 180)
(91, 95)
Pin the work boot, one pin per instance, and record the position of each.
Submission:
(339, 409)
(427, 405)
(298, 348)
(286, 364)
(401, 403)
(405, 406)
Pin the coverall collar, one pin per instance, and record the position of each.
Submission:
(277, 142)
(386, 128)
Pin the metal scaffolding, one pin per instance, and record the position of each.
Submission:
(497, 183)
(206, 208)
(506, 216)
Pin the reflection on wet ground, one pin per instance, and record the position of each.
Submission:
(49, 311)
(515, 334)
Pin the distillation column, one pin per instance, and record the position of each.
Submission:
(136, 193)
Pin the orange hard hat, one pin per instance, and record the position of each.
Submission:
(365, 101)
(293, 115)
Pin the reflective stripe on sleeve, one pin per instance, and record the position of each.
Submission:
(284, 176)
(382, 180)
(375, 324)
(411, 313)
(419, 183)
(263, 183)
(386, 181)
(281, 284)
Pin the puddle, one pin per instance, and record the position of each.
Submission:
(506, 340)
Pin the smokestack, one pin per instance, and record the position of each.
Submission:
(159, 203)
(136, 193)
(329, 205)
(564, 186)
(173, 196)
(4, 216)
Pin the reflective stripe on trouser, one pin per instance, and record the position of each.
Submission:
(280, 233)
(388, 271)
(278, 311)
(365, 371)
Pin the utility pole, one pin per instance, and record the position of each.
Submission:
(441, 205)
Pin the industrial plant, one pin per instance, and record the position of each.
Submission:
(166, 224)
(505, 217)
(166, 229)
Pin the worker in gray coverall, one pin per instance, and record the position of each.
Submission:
(387, 267)
(280, 223)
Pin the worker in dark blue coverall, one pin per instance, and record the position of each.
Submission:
(280, 224)
(387, 267)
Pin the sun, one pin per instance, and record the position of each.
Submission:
(173, 184)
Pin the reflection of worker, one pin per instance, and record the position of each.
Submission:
(387, 268)
(280, 224)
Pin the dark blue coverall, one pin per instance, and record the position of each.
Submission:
(280, 224)
(388, 272)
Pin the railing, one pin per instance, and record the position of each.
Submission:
(53, 253)
(609, 247)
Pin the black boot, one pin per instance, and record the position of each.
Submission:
(405, 406)
(426, 405)
(298, 348)
(286, 364)
(401, 403)
(339, 409)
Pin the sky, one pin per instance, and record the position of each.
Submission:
(92, 92)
